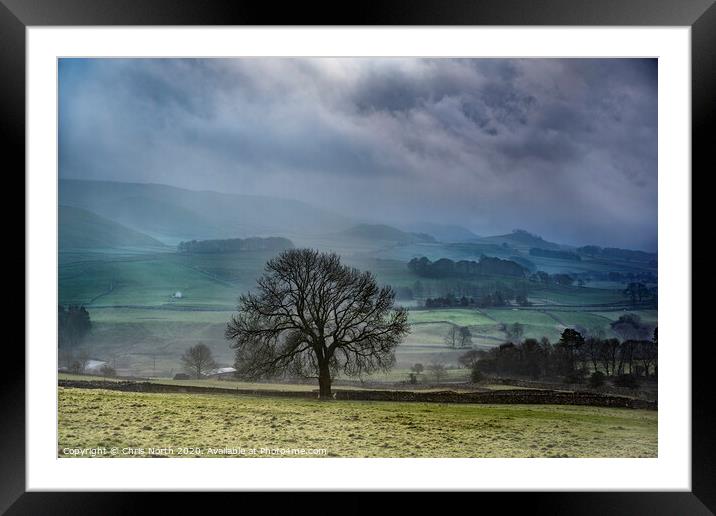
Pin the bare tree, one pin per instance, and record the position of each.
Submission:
(609, 351)
(79, 366)
(470, 358)
(591, 351)
(198, 359)
(314, 317)
(452, 337)
(514, 332)
(646, 353)
(438, 370)
(465, 337)
(107, 371)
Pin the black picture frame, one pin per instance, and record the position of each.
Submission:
(700, 15)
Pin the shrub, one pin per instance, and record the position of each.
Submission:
(626, 380)
(575, 377)
(476, 375)
(596, 379)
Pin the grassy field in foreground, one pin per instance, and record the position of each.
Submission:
(101, 418)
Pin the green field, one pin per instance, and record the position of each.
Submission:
(459, 316)
(102, 418)
(152, 279)
(397, 376)
(148, 341)
(648, 316)
(142, 329)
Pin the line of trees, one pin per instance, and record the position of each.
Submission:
(573, 357)
(637, 292)
(445, 268)
(615, 252)
(458, 337)
(643, 276)
(489, 299)
(552, 279)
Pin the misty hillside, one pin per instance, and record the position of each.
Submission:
(157, 216)
(448, 233)
(171, 213)
(234, 245)
(383, 233)
(82, 229)
(520, 238)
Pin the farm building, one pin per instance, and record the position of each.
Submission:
(221, 373)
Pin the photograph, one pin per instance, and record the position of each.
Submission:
(357, 257)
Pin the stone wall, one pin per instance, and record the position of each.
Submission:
(516, 396)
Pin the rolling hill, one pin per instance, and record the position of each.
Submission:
(155, 216)
(521, 239)
(172, 214)
(383, 233)
(448, 233)
(82, 229)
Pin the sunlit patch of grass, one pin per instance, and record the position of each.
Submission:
(92, 418)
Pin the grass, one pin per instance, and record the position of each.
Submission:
(143, 331)
(585, 320)
(216, 280)
(221, 384)
(513, 315)
(394, 376)
(151, 279)
(536, 324)
(458, 316)
(164, 316)
(504, 387)
(647, 316)
(576, 295)
(101, 418)
(150, 341)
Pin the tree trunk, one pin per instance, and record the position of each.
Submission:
(324, 382)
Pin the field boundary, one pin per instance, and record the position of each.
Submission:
(511, 396)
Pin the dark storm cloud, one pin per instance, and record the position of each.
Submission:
(566, 148)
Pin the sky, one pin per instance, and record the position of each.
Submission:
(565, 148)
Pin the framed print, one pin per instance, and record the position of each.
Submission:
(428, 248)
